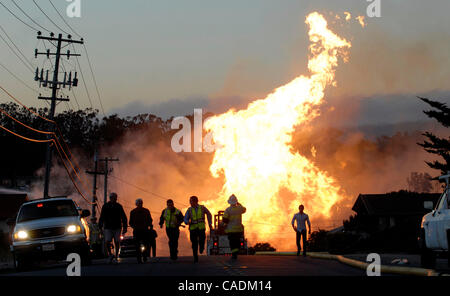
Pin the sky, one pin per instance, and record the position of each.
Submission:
(169, 57)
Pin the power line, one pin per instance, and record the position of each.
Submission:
(55, 83)
(44, 118)
(82, 78)
(29, 17)
(18, 49)
(49, 18)
(59, 152)
(72, 89)
(95, 80)
(88, 59)
(18, 79)
(144, 190)
(67, 24)
(12, 13)
(47, 133)
(15, 53)
(26, 138)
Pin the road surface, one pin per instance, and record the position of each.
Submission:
(208, 266)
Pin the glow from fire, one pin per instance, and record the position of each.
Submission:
(255, 155)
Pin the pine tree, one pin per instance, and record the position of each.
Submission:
(434, 144)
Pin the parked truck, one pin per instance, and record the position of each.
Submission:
(435, 229)
(218, 243)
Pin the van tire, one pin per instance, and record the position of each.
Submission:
(427, 256)
(21, 263)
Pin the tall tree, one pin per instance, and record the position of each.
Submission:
(434, 144)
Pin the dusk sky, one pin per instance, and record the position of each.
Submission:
(168, 57)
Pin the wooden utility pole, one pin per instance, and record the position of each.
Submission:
(106, 172)
(94, 190)
(54, 85)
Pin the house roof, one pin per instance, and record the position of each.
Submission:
(394, 203)
(10, 202)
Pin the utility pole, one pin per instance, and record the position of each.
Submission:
(94, 190)
(106, 172)
(54, 85)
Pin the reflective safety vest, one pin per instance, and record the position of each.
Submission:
(197, 218)
(94, 233)
(171, 218)
(234, 216)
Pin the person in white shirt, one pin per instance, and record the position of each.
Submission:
(301, 218)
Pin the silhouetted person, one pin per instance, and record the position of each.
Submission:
(141, 222)
(232, 217)
(113, 220)
(301, 218)
(173, 219)
(195, 218)
(153, 236)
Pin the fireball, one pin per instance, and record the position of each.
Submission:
(254, 152)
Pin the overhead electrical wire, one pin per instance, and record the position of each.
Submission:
(70, 176)
(14, 44)
(18, 18)
(72, 89)
(55, 141)
(37, 5)
(15, 53)
(144, 190)
(29, 17)
(47, 133)
(18, 79)
(82, 78)
(88, 59)
(67, 24)
(59, 152)
(44, 118)
(95, 80)
(25, 138)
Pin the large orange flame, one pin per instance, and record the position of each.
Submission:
(254, 146)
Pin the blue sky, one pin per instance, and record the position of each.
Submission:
(168, 57)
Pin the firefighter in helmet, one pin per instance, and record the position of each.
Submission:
(232, 218)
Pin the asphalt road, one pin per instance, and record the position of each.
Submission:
(207, 266)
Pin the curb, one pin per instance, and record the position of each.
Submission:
(417, 271)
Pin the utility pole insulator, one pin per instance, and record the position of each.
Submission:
(54, 85)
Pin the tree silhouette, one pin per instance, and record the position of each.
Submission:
(83, 131)
(434, 144)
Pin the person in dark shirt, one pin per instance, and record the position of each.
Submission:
(173, 219)
(113, 220)
(142, 223)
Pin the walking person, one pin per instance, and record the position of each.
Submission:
(113, 220)
(141, 222)
(173, 219)
(232, 217)
(195, 218)
(153, 236)
(301, 219)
